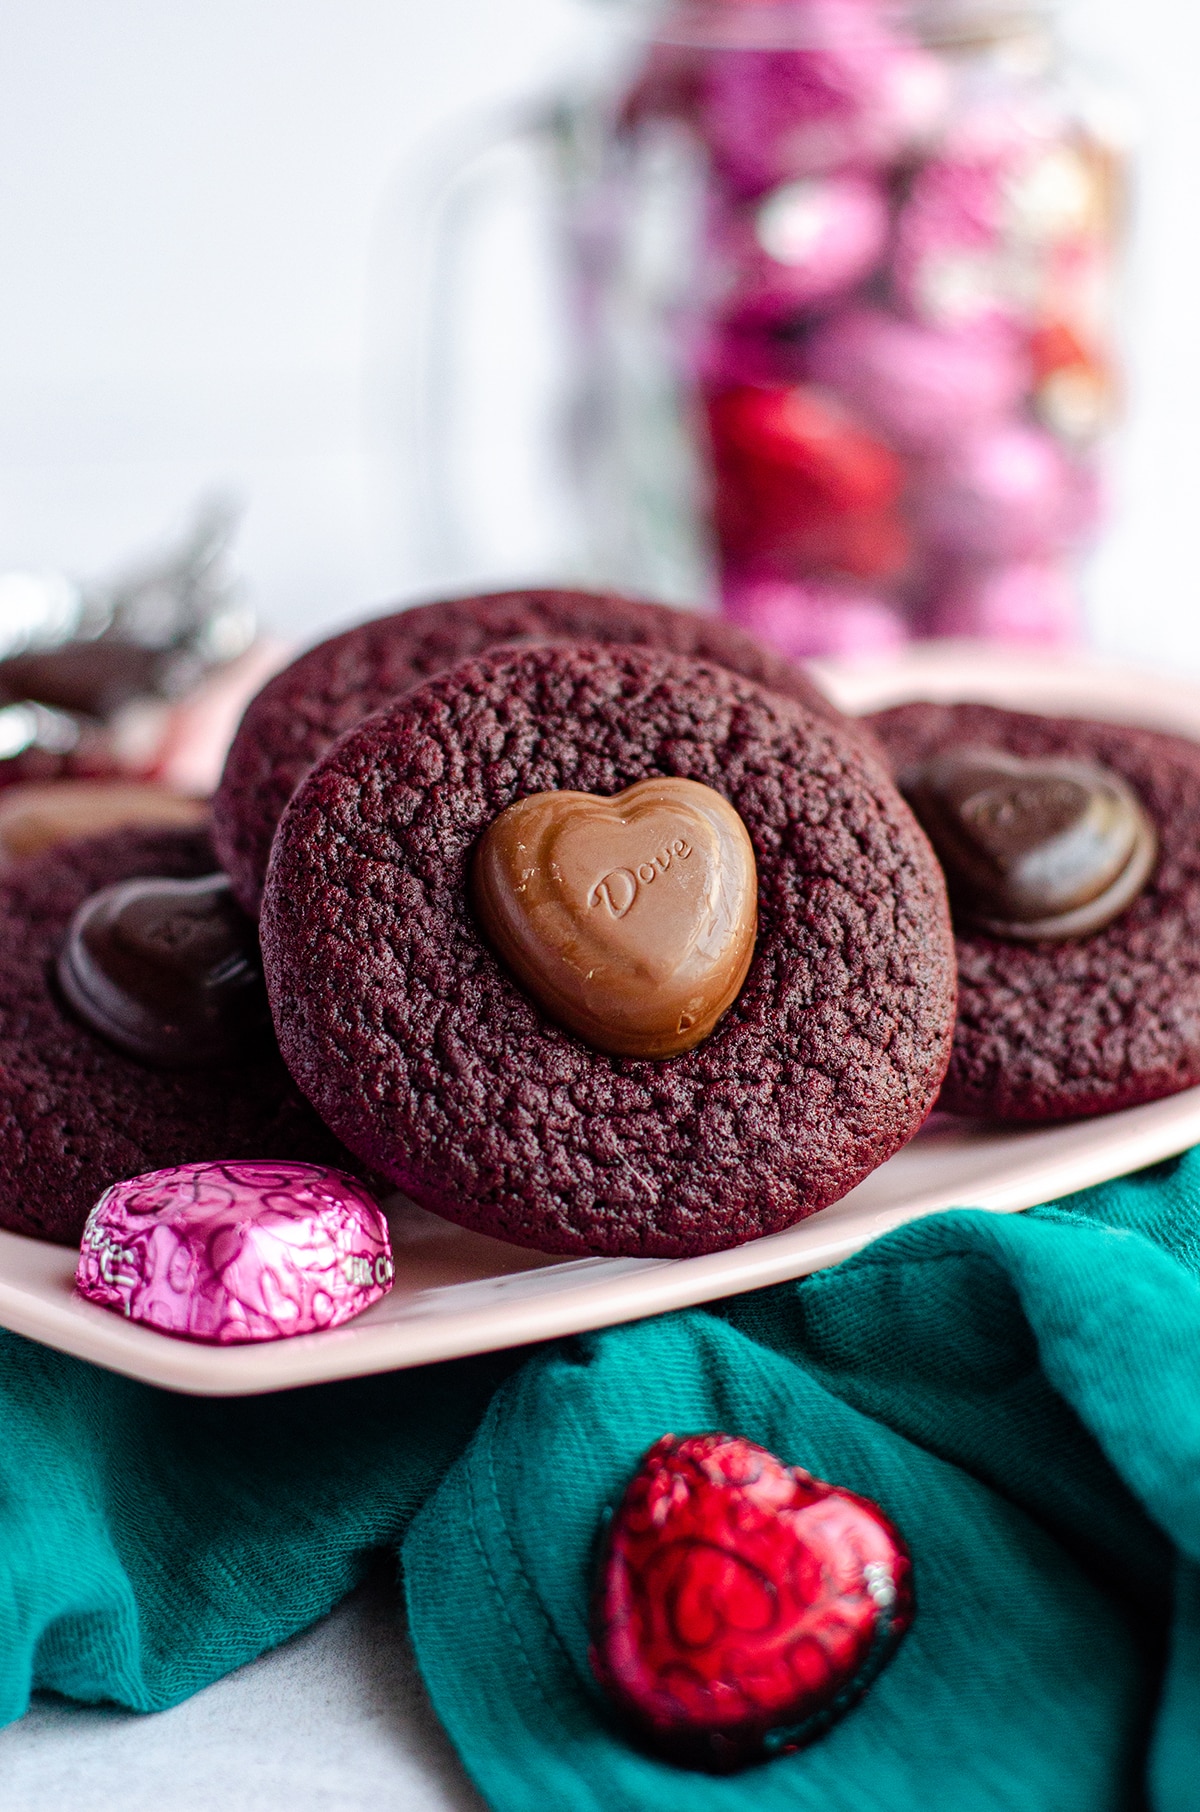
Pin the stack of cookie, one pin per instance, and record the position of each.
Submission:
(593, 926)
(1073, 854)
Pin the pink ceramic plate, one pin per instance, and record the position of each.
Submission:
(458, 1293)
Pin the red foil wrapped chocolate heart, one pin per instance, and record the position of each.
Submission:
(800, 482)
(742, 1605)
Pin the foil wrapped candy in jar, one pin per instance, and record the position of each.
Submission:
(908, 215)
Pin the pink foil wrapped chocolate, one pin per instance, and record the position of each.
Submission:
(803, 618)
(234, 1252)
(1030, 601)
(1006, 493)
(1005, 225)
(805, 242)
(851, 91)
(950, 266)
(925, 390)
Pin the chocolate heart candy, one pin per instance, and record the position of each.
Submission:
(630, 920)
(742, 1606)
(1037, 848)
(168, 971)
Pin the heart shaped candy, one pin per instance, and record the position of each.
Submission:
(742, 1605)
(630, 920)
(1049, 847)
(167, 970)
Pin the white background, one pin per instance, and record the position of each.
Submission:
(206, 240)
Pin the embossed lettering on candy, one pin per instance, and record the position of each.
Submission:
(168, 971)
(1034, 847)
(233, 1252)
(630, 920)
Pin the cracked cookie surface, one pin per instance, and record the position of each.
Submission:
(1053, 1031)
(434, 1066)
(303, 710)
(75, 1113)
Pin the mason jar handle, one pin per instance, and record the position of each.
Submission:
(437, 213)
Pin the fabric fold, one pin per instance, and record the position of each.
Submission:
(150, 1543)
(1021, 1393)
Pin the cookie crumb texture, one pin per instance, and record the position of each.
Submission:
(1053, 1031)
(430, 1062)
(300, 713)
(75, 1113)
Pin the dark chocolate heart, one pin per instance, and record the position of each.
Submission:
(1051, 847)
(168, 971)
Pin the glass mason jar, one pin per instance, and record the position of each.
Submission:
(843, 278)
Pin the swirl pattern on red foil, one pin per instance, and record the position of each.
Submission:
(742, 1605)
(234, 1252)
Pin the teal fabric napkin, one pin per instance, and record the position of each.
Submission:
(150, 1543)
(1022, 1395)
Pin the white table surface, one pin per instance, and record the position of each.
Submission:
(335, 1720)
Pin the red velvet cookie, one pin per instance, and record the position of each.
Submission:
(76, 1114)
(1050, 1030)
(433, 1064)
(304, 709)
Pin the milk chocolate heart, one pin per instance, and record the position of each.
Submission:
(1040, 848)
(630, 920)
(168, 971)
